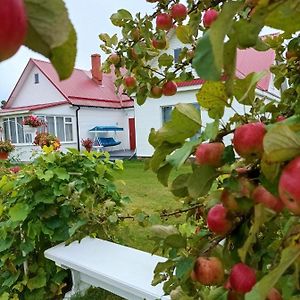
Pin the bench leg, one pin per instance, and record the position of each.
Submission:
(77, 287)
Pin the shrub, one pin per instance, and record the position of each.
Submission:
(87, 144)
(6, 146)
(33, 121)
(59, 197)
(46, 139)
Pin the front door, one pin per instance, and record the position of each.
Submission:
(132, 133)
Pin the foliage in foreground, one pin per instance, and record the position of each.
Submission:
(245, 209)
(59, 197)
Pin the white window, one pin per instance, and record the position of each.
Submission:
(166, 113)
(176, 55)
(60, 126)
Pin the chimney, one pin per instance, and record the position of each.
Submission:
(96, 68)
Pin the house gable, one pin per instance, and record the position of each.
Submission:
(34, 88)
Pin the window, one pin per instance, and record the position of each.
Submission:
(36, 78)
(13, 129)
(176, 55)
(62, 127)
(166, 113)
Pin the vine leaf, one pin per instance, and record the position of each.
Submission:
(19, 212)
(262, 288)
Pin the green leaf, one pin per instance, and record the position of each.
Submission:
(270, 170)
(201, 180)
(4, 296)
(219, 293)
(244, 89)
(184, 34)
(175, 241)
(61, 173)
(179, 185)
(230, 50)
(6, 244)
(284, 15)
(261, 289)
(281, 144)
(208, 60)
(165, 60)
(43, 196)
(261, 216)
(163, 174)
(63, 57)
(163, 231)
(211, 130)
(185, 122)
(184, 267)
(228, 156)
(212, 96)
(76, 226)
(180, 155)
(38, 281)
(46, 19)
(120, 17)
(19, 212)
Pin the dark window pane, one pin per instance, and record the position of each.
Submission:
(50, 125)
(12, 127)
(69, 132)
(6, 132)
(176, 54)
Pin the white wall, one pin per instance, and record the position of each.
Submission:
(91, 117)
(36, 93)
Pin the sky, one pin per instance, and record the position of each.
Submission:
(90, 18)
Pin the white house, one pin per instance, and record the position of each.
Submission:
(155, 112)
(70, 107)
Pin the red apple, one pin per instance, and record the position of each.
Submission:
(129, 82)
(169, 88)
(242, 278)
(179, 12)
(208, 271)
(15, 169)
(262, 195)
(114, 58)
(135, 34)
(132, 54)
(13, 27)
(248, 139)
(159, 43)
(289, 186)
(274, 295)
(210, 154)
(209, 17)
(164, 21)
(156, 91)
(217, 220)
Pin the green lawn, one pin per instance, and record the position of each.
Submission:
(147, 195)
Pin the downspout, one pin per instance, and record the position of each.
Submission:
(77, 128)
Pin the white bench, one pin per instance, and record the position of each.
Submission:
(124, 271)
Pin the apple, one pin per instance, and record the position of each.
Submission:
(208, 271)
(132, 54)
(262, 195)
(242, 278)
(129, 82)
(248, 139)
(169, 88)
(280, 118)
(217, 220)
(210, 154)
(159, 43)
(164, 21)
(114, 59)
(291, 54)
(209, 17)
(15, 169)
(13, 27)
(274, 295)
(289, 187)
(190, 54)
(179, 12)
(156, 91)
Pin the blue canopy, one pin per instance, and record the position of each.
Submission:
(106, 128)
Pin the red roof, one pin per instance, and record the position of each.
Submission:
(79, 89)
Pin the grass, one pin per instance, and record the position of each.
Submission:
(147, 195)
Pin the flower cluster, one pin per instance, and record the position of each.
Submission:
(6, 146)
(87, 144)
(33, 121)
(46, 139)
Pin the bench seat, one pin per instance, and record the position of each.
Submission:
(124, 271)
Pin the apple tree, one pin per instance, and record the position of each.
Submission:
(241, 235)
